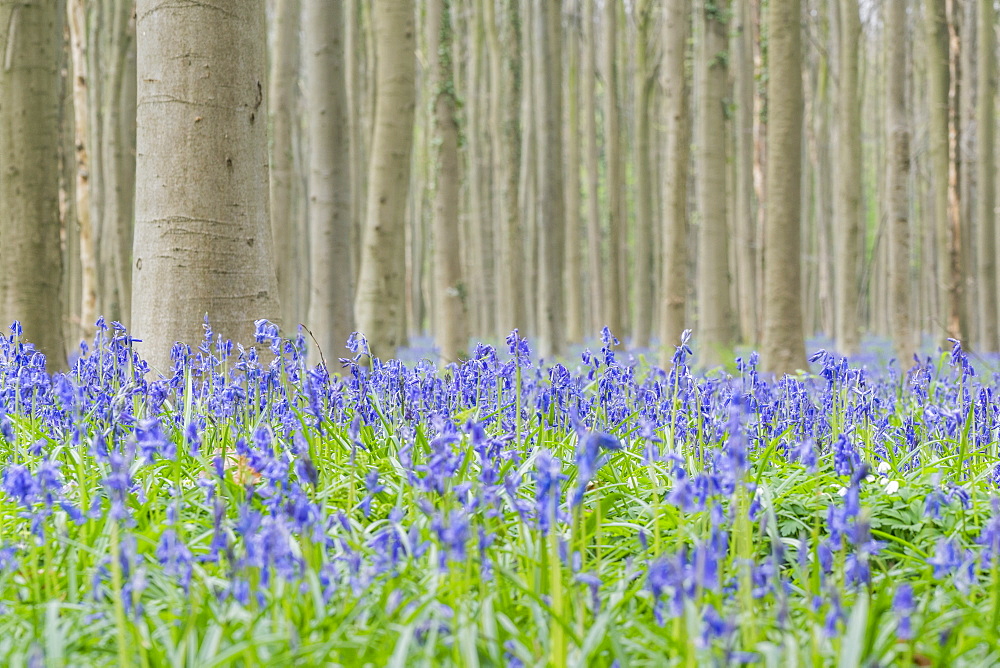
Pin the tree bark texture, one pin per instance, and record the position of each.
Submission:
(31, 280)
(202, 235)
(716, 331)
(614, 274)
(451, 326)
(674, 281)
(379, 300)
(784, 344)
(331, 286)
(643, 261)
(985, 170)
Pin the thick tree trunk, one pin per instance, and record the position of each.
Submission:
(674, 281)
(511, 240)
(938, 84)
(283, 86)
(985, 169)
(451, 327)
(202, 236)
(784, 344)
(552, 222)
(379, 299)
(847, 209)
(716, 331)
(31, 280)
(331, 284)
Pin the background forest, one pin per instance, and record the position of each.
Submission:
(465, 167)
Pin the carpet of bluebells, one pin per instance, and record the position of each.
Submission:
(254, 509)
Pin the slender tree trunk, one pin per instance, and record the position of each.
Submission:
(989, 339)
(716, 332)
(552, 223)
(451, 327)
(31, 280)
(331, 290)
(938, 85)
(512, 244)
(898, 181)
(645, 85)
(746, 239)
(499, 167)
(595, 264)
(674, 281)
(575, 230)
(847, 209)
(77, 21)
(615, 271)
(283, 84)
(202, 236)
(379, 298)
(784, 344)
(957, 315)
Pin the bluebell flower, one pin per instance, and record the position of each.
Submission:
(548, 476)
(903, 606)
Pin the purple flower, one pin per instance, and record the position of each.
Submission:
(548, 474)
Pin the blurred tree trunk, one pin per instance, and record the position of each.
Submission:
(747, 247)
(847, 209)
(936, 18)
(615, 188)
(957, 314)
(552, 221)
(379, 299)
(78, 37)
(784, 344)
(202, 238)
(595, 266)
(451, 327)
(898, 176)
(286, 225)
(673, 301)
(512, 240)
(499, 169)
(715, 333)
(31, 280)
(989, 337)
(645, 86)
(331, 289)
(575, 232)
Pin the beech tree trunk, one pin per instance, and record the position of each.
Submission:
(331, 285)
(615, 272)
(202, 235)
(379, 299)
(31, 279)
(716, 331)
(674, 281)
(897, 185)
(451, 327)
(575, 232)
(596, 278)
(847, 209)
(645, 85)
(283, 86)
(552, 222)
(985, 169)
(784, 343)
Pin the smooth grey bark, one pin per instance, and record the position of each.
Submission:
(202, 235)
(451, 312)
(331, 285)
(716, 330)
(747, 242)
(286, 222)
(552, 221)
(595, 264)
(575, 233)
(897, 186)
(614, 274)
(938, 83)
(674, 279)
(511, 245)
(645, 85)
(985, 170)
(847, 205)
(31, 280)
(784, 344)
(378, 301)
